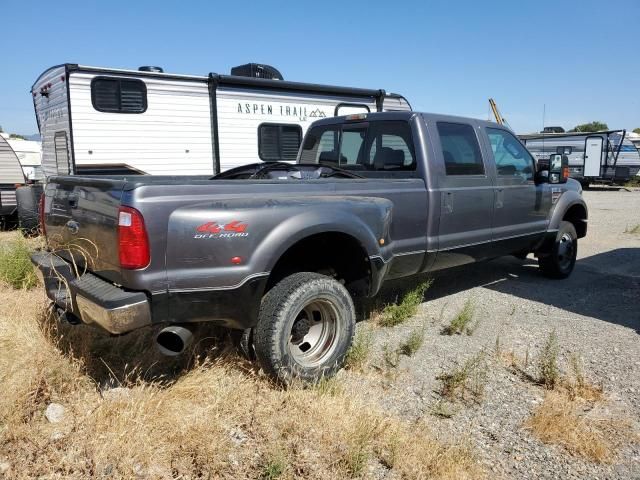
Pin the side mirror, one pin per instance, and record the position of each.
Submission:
(558, 168)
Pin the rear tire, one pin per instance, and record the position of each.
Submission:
(559, 262)
(305, 328)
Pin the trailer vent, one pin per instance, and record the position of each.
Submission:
(257, 70)
(150, 68)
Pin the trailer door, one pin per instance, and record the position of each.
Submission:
(592, 156)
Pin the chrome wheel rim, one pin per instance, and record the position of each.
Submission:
(566, 251)
(314, 333)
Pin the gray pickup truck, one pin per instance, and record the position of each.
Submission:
(281, 250)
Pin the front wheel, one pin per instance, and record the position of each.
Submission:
(559, 262)
(305, 328)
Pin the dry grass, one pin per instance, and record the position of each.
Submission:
(466, 382)
(633, 230)
(568, 419)
(548, 370)
(360, 350)
(214, 418)
(632, 183)
(571, 415)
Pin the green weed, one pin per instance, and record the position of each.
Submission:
(397, 313)
(16, 268)
(462, 322)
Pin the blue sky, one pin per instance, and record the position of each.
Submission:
(579, 58)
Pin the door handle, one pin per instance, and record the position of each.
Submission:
(447, 202)
(499, 198)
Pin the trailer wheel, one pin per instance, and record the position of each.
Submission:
(305, 328)
(559, 262)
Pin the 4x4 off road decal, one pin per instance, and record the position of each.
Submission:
(216, 230)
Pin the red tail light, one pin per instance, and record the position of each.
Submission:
(133, 241)
(41, 214)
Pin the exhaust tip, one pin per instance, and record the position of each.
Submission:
(172, 341)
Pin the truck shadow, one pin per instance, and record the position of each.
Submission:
(126, 360)
(605, 286)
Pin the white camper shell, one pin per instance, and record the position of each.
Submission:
(111, 121)
(606, 156)
(11, 176)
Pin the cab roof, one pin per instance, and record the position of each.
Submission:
(403, 116)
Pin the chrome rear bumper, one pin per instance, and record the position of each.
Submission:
(90, 298)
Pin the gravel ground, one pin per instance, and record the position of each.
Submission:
(594, 313)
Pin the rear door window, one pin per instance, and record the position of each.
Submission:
(460, 149)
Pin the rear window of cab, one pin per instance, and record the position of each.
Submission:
(366, 147)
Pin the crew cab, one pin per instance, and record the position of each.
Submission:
(282, 251)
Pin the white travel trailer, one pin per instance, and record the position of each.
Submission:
(112, 121)
(635, 139)
(602, 156)
(29, 153)
(11, 176)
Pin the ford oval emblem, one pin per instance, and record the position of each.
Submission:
(73, 226)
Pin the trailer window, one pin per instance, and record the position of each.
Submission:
(118, 95)
(278, 142)
(460, 149)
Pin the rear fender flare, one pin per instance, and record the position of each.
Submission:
(304, 225)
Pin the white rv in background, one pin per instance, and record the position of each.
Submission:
(111, 121)
(635, 139)
(11, 176)
(593, 157)
(29, 153)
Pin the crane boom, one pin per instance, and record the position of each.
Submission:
(496, 113)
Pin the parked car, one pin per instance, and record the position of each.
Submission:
(283, 250)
